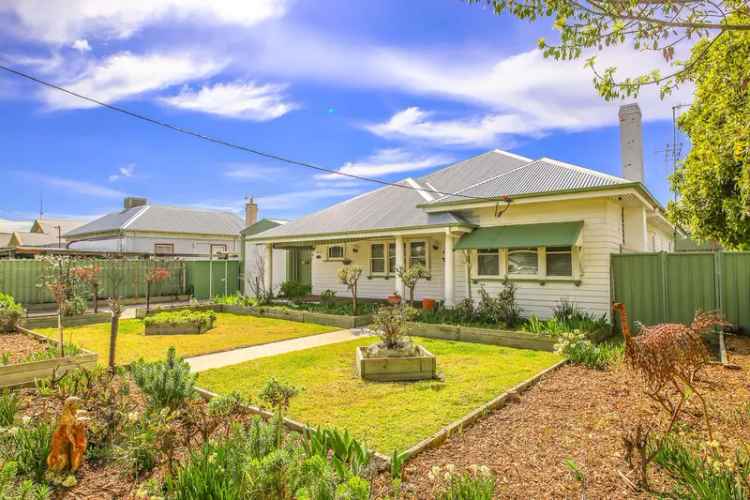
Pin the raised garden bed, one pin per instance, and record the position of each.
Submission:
(26, 372)
(388, 369)
(508, 338)
(179, 322)
(50, 320)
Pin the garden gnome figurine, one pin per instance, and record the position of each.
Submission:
(69, 440)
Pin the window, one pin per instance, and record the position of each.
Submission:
(217, 248)
(418, 253)
(377, 258)
(336, 252)
(391, 258)
(164, 249)
(488, 262)
(523, 261)
(559, 261)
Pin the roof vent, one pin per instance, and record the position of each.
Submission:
(134, 201)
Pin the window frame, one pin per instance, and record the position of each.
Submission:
(409, 257)
(384, 258)
(498, 252)
(170, 245)
(538, 251)
(558, 251)
(390, 269)
(328, 252)
(213, 246)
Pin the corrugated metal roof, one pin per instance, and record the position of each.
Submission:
(539, 176)
(49, 226)
(36, 239)
(166, 219)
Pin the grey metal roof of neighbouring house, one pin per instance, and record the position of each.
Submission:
(489, 175)
(163, 219)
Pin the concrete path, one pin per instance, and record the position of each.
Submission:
(228, 358)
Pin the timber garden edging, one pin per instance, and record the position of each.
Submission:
(395, 369)
(506, 338)
(24, 374)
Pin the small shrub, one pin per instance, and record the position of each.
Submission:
(12, 489)
(166, 384)
(704, 474)
(8, 408)
(213, 471)
(579, 350)
(328, 298)
(410, 277)
(275, 476)
(390, 325)
(294, 290)
(30, 445)
(278, 394)
(75, 305)
(235, 300)
(477, 484)
(139, 453)
(52, 352)
(346, 453)
(201, 319)
(10, 313)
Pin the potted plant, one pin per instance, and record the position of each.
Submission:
(394, 299)
(428, 304)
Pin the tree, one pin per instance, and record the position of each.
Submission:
(59, 277)
(646, 25)
(411, 277)
(115, 276)
(713, 182)
(90, 275)
(154, 276)
(349, 275)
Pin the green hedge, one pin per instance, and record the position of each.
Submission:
(201, 319)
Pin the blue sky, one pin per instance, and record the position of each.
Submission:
(387, 89)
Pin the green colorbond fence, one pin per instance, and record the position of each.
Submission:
(661, 287)
(20, 278)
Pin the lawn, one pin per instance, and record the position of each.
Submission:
(386, 416)
(231, 331)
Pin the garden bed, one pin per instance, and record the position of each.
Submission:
(509, 338)
(184, 322)
(50, 320)
(578, 415)
(386, 416)
(35, 357)
(422, 366)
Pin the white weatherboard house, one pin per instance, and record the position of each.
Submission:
(547, 225)
(143, 228)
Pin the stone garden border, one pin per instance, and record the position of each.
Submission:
(507, 338)
(300, 316)
(24, 374)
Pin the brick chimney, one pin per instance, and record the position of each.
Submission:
(251, 211)
(133, 201)
(631, 142)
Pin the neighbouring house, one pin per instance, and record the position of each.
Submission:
(40, 236)
(252, 255)
(143, 228)
(547, 225)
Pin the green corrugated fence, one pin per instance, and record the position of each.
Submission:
(662, 287)
(21, 279)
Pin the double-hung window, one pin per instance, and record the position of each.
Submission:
(418, 253)
(336, 252)
(488, 262)
(523, 261)
(377, 258)
(391, 258)
(559, 261)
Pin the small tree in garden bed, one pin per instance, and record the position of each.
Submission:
(59, 277)
(154, 276)
(90, 275)
(349, 275)
(410, 277)
(390, 325)
(115, 276)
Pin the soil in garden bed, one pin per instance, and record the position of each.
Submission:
(579, 414)
(20, 346)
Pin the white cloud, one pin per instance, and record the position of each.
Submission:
(127, 75)
(385, 162)
(249, 171)
(74, 186)
(123, 172)
(246, 101)
(63, 21)
(296, 199)
(81, 45)
(414, 123)
(522, 93)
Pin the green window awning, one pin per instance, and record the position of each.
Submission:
(551, 234)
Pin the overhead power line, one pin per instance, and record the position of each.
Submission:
(226, 143)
